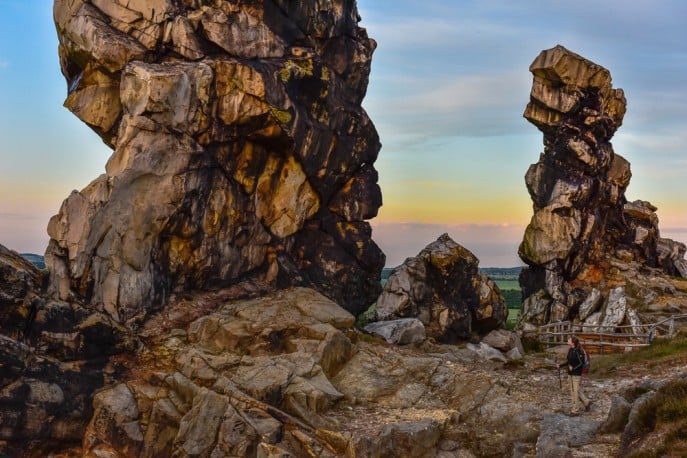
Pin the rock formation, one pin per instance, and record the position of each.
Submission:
(53, 356)
(243, 164)
(444, 289)
(593, 256)
(241, 151)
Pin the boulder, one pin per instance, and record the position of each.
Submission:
(400, 332)
(617, 416)
(443, 288)
(560, 432)
(504, 341)
(486, 352)
(585, 239)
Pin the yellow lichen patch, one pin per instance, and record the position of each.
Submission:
(296, 68)
(325, 74)
(344, 227)
(282, 116)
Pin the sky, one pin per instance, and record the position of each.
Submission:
(448, 87)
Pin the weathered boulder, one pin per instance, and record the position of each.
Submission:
(504, 341)
(585, 240)
(560, 432)
(241, 151)
(401, 331)
(487, 352)
(443, 288)
(618, 415)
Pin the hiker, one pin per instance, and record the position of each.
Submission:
(575, 361)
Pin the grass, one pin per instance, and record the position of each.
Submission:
(364, 318)
(666, 412)
(512, 319)
(507, 284)
(662, 419)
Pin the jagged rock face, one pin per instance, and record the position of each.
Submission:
(444, 289)
(20, 281)
(53, 356)
(241, 151)
(585, 238)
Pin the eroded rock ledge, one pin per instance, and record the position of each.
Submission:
(241, 151)
(593, 257)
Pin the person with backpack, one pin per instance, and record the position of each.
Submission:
(575, 361)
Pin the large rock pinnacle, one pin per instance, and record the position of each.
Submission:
(241, 151)
(586, 244)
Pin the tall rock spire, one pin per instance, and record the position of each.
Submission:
(585, 239)
(241, 152)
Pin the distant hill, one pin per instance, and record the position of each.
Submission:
(498, 271)
(35, 259)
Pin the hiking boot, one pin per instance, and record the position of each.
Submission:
(574, 413)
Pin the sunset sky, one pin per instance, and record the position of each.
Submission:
(449, 84)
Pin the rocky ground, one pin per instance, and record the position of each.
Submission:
(288, 375)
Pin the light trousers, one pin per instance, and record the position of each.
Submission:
(576, 392)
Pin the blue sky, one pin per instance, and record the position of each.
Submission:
(449, 84)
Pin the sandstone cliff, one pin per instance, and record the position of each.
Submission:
(241, 151)
(593, 257)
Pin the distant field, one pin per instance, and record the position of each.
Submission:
(501, 271)
(505, 284)
(513, 315)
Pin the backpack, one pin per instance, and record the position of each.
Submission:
(586, 360)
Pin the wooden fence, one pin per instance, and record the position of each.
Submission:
(608, 339)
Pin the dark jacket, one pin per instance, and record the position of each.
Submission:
(575, 360)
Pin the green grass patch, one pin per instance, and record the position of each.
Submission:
(364, 318)
(666, 411)
(512, 319)
(504, 284)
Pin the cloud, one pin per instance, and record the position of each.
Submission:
(4, 64)
(488, 104)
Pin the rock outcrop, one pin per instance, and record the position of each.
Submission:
(241, 151)
(20, 283)
(53, 356)
(593, 256)
(443, 287)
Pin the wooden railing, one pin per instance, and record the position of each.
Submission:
(608, 339)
